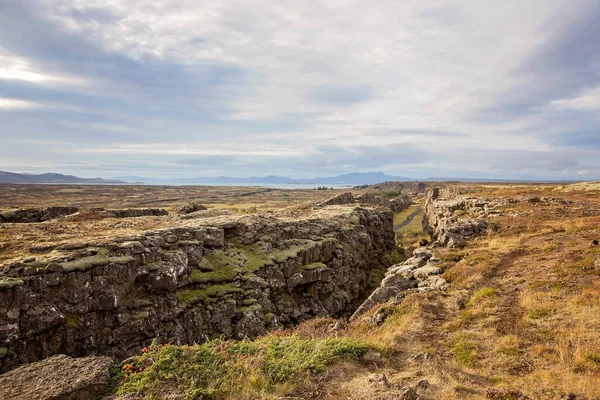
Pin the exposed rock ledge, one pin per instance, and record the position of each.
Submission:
(450, 220)
(231, 275)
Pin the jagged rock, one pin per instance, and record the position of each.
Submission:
(373, 357)
(400, 203)
(408, 393)
(231, 275)
(58, 378)
(30, 215)
(215, 212)
(344, 198)
(451, 218)
(395, 205)
(423, 273)
(412, 273)
(135, 212)
(251, 325)
(423, 384)
(379, 379)
(192, 206)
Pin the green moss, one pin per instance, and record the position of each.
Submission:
(316, 265)
(269, 318)
(140, 315)
(85, 263)
(223, 266)
(208, 295)
(73, 320)
(292, 251)
(3, 352)
(253, 307)
(219, 275)
(7, 283)
(139, 302)
(248, 302)
(271, 366)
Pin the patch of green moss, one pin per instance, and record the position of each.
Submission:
(85, 263)
(139, 302)
(223, 274)
(73, 320)
(208, 295)
(292, 251)
(252, 307)
(269, 318)
(248, 302)
(7, 283)
(316, 265)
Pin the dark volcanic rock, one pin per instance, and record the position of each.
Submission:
(30, 215)
(136, 212)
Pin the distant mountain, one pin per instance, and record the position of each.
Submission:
(11, 177)
(356, 178)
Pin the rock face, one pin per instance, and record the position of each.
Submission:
(135, 212)
(191, 207)
(397, 204)
(420, 272)
(231, 275)
(29, 215)
(344, 198)
(449, 217)
(58, 378)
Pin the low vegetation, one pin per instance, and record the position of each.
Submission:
(271, 365)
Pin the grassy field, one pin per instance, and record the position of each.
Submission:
(415, 225)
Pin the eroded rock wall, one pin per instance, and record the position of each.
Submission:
(451, 217)
(235, 276)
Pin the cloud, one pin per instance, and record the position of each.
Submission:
(423, 87)
(16, 104)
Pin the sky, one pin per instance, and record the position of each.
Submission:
(185, 88)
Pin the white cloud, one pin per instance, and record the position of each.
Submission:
(414, 73)
(15, 68)
(8, 104)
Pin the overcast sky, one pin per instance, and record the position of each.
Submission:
(182, 88)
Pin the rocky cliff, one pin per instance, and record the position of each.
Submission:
(228, 275)
(452, 217)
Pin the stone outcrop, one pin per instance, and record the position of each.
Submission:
(214, 212)
(420, 272)
(192, 206)
(31, 215)
(343, 198)
(451, 217)
(58, 378)
(233, 275)
(135, 212)
(396, 204)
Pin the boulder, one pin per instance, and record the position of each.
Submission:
(192, 206)
(58, 378)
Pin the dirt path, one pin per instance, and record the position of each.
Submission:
(408, 219)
